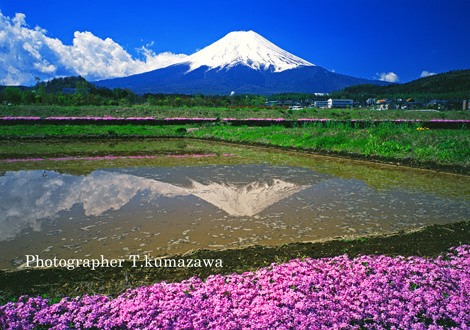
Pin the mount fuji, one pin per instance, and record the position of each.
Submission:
(242, 62)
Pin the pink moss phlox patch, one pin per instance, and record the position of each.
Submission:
(193, 155)
(366, 292)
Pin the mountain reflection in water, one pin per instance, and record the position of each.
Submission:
(29, 196)
(247, 200)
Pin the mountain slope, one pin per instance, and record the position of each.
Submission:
(242, 62)
(240, 79)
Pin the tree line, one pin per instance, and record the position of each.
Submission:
(66, 91)
(76, 91)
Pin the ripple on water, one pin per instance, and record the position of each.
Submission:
(155, 209)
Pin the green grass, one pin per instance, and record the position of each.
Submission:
(163, 112)
(48, 131)
(397, 143)
(388, 141)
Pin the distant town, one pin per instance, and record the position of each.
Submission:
(373, 104)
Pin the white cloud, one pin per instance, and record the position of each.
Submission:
(26, 53)
(19, 19)
(391, 77)
(29, 198)
(158, 60)
(426, 74)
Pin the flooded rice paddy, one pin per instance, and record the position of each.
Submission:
(180, 196)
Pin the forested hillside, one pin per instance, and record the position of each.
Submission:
(453, 85)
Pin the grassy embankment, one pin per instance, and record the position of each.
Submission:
(407, 144)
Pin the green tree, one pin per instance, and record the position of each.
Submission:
(27, 97)
(12, 95)
(82, 87)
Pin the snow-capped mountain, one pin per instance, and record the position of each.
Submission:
(247, 48)
(241, 62)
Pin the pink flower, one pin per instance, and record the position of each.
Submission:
(330, 293)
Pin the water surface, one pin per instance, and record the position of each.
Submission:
(182, 197)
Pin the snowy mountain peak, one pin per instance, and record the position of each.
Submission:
(247, 48)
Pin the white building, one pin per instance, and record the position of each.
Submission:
(320, 104)
(340, 103)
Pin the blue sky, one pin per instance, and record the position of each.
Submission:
(390, 39)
